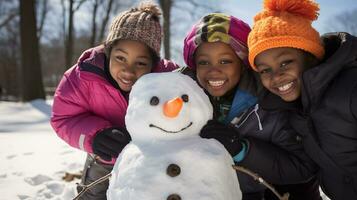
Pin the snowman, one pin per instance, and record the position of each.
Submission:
(167, 159)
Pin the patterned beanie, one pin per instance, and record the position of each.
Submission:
(140, 24)
(285, 23)
(217, 27)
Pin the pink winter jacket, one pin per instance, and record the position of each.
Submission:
(85, 102)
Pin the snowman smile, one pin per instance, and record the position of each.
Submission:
(167, 131)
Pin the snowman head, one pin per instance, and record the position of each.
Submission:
(166, 106)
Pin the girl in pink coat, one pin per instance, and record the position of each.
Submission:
(91, 100)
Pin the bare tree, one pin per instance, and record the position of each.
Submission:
(106, 11)
(8, 18)
(7, 13)
(344, 22)
(94, 24)
(31, 79)
(64, 14)
(106, 19)
(9, 49)
(9, 64)
(43, 10)
(188, 11)
(69, 37)
(166, 12)
(100, 18)
(72, 8)
(193, 8)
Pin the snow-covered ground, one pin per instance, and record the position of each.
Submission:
(33, 159)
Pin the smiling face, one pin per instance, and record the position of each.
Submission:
(128, 61)
(218, 67)
(281, 70)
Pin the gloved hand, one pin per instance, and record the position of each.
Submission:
(225, 134)
(108, 143)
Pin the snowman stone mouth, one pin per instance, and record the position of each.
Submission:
(167, 131)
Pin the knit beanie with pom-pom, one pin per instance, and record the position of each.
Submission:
(140, 24)
(285, 23)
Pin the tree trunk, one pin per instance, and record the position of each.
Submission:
(31, 76)
(105, 20)
(166, 10)
(64, 27)
(69, 40)
(43, 14)
(94, 24)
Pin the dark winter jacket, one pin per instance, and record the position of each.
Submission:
(309, 190)
(275, 152)
(327, 121)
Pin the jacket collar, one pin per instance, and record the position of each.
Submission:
(341, 51)
(272, 102)
(95, 61)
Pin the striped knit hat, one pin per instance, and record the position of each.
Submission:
(285, 23)
(140, 24)
(217, 27)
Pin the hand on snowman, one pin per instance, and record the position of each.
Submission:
(225, 134)
(108, 143)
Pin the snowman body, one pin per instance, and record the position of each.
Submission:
(167, 160)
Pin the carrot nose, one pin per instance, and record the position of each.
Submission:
(173, 107)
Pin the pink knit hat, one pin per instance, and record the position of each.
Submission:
(217, 27)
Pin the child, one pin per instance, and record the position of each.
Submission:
(260, 140)
(91, 100)
(317, 79)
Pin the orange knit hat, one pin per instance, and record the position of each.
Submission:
(285, 23)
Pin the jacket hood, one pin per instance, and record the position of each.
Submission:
(341, 53)
(91, 64)
(94, 56)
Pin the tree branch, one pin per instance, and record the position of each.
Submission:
(105, 20)
(43, 18)
(8, 19)
(87, 187)
(260, 180)
(78, 5)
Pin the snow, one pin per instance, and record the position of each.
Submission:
(166, 134)
(33, 159)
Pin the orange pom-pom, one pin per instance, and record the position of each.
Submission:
(304, 8)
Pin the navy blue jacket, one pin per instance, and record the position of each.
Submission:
(276, 153)
(327, 120)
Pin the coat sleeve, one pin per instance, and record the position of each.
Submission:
(71, 117)
(281, 161)
(354, 102)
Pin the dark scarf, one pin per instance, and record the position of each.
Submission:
(272, 102)
(111, 80)
(222, 105)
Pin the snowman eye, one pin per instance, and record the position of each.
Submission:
(154, 101)
(184, 98)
